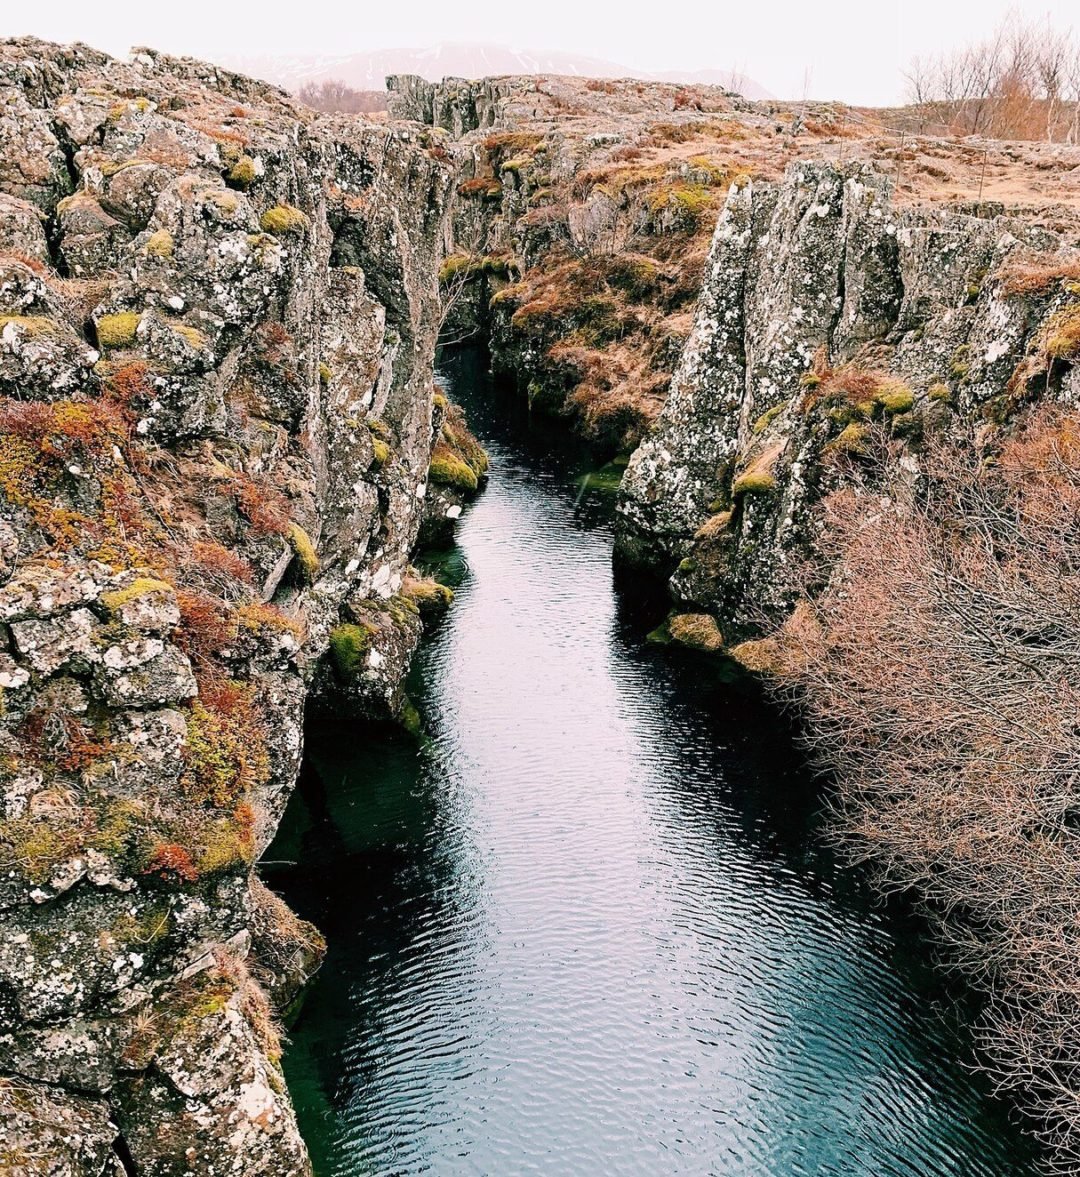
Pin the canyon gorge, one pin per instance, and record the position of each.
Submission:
(825, 371)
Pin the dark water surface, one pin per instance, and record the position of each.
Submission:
(588, 927)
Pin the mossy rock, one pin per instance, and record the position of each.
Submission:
(758, 656)
(32, 325)
(851, 440)
(718, 524)
(284, 221)
(192, 336)
(459, 266)
(660, 636)
(753, 483)
(118, 330)
(431, 598)
(1063, 334)
(306, 556)
(142, 587)
(447, 469)
(160, 244)
(410, 719)
(698, 631)
(349, 645)
(939, 391)
(767, 418)
(959, 364)
(244, 172)
(895, 397)
(381, 451)
(325, 374)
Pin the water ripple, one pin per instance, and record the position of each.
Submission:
(580, 933)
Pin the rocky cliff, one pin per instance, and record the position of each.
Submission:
(830, 318)
(218, 315)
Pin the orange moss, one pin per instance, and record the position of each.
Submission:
(262, 505)
(221, 561)
(226, 757)
(172, 863)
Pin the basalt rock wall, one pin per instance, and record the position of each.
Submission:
(826, 316)
(218, 315)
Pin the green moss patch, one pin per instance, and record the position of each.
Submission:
(447, 469)
(306, 556)
(430, 597)
(119, 330)
(243, 173)
(894, 397)
(142, 587)
(160, 244)
(349, 645)
(753, 482)
(284, 221)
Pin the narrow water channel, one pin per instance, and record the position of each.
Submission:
(587, 928)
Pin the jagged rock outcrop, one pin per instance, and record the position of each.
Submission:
(826, 311)
(456, 105)
(218, 315)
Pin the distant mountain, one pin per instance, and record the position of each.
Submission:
(367, 71)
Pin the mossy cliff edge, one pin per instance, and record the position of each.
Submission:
(833, 325)
(865, 477)
(218, 315)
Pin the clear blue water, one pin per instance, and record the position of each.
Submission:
(587, 927)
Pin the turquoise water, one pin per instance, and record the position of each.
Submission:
(587, 926)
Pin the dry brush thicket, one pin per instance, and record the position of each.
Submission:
(1022, 82)
(940, 677)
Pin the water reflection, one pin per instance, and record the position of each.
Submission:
(581, 930)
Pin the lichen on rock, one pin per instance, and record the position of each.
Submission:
(196, 368)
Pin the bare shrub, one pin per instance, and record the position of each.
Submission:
(940, 677)
(1023, 82)
(335, 97)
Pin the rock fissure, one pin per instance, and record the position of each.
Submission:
(220, 444)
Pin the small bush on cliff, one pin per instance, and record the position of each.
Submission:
(939, 679)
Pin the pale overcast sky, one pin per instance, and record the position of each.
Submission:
(852, 50)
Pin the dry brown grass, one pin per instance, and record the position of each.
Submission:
(1037, 274)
